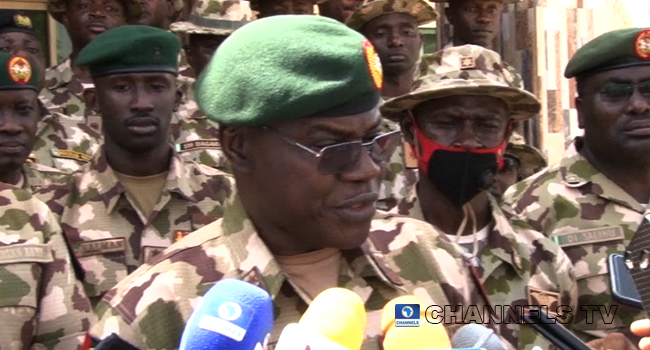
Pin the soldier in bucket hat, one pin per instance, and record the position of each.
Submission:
(195, 137)
(392, 28)
(457, 118)
(267, 8)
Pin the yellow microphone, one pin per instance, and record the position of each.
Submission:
(405, 335)
(335, 320)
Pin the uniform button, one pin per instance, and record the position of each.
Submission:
(572, 179)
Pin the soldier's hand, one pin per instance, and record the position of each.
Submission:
(641, 328)
(613, 341)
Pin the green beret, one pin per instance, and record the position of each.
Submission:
(129, 49)
(616, 49)
(289, 66)
(17, 73)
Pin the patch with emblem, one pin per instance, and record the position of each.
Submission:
(374, 64)
(642, 44)
(178, 235)
(590, 236)
(68, 154)
(149, 253)
(23, 21)
(467, 62)
(198, 144)
(99, 247)
(20, 71)
(540, 297)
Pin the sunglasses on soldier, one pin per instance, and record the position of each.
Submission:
(622, 92)
(343, 157)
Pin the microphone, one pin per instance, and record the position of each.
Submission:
(476, 336)
(335, 320)
(233, 315)
(425, 336)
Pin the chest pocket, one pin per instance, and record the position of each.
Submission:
(103, 262)
(589, 249)
(20, 273)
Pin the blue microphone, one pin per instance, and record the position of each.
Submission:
(233, 315)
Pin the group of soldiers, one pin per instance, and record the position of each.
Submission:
(174, 148)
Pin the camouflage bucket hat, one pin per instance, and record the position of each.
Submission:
(464, 70)
(420, 9)
(531, 159)
(56, 8)
(501, 1)
(215, 17)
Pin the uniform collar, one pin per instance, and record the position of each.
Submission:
(109, 190)
(578, 173)
(263, 270)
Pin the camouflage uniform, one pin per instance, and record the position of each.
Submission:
(402, 168)
(37, 176)
(531, 160)
(196, 137)
(400, 257)
(518, 266)
(42, 305)
(64, 143)
(590, 217)
(108, 233)
(63, 92)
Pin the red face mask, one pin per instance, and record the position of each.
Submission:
(458, 173)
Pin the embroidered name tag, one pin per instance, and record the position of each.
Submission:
(98, 247)
(540, 297)
(149, 253)
(26, 253)
(596, 235)
(198, 144)
(68, 154)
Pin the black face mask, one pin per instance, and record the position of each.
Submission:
(460, 176)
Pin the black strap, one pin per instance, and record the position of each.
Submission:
(637, 259)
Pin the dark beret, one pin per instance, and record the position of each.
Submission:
(15, 21)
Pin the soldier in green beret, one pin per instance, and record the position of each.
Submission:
(392, 28)
(520, 161)
(136, 196)
(595, 200)
(41, 304)
(58, 136)
(83, 20)
(302, 219)
(209, 24)
(18, 124)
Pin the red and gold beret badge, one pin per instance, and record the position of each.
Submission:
(20, 71)
(374, 64)
(642, 44)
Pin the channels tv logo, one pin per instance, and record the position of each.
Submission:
(232, 319)
(407, 315)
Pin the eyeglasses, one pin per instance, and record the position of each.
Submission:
(621, 92)
(342, 157)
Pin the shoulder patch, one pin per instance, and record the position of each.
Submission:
(69, 154)
(590, 236)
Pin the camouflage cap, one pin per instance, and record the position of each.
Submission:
(216, 17)
(420, 9)
(56, 8)
(531, 159)
(464, 70)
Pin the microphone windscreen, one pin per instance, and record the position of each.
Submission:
(233, 315)
(425, 336)
(477, 336)
(339, 315)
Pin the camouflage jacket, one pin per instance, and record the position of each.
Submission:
(42, 305)
(195, 137)
(590, 217)
(37, 176)
(64, 143)
(401, 174)
(400, 257)
(518, 81)
(63, 92)
(109, 234)
(518, 266)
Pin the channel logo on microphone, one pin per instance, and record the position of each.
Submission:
(232, 319)
(407, 315)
